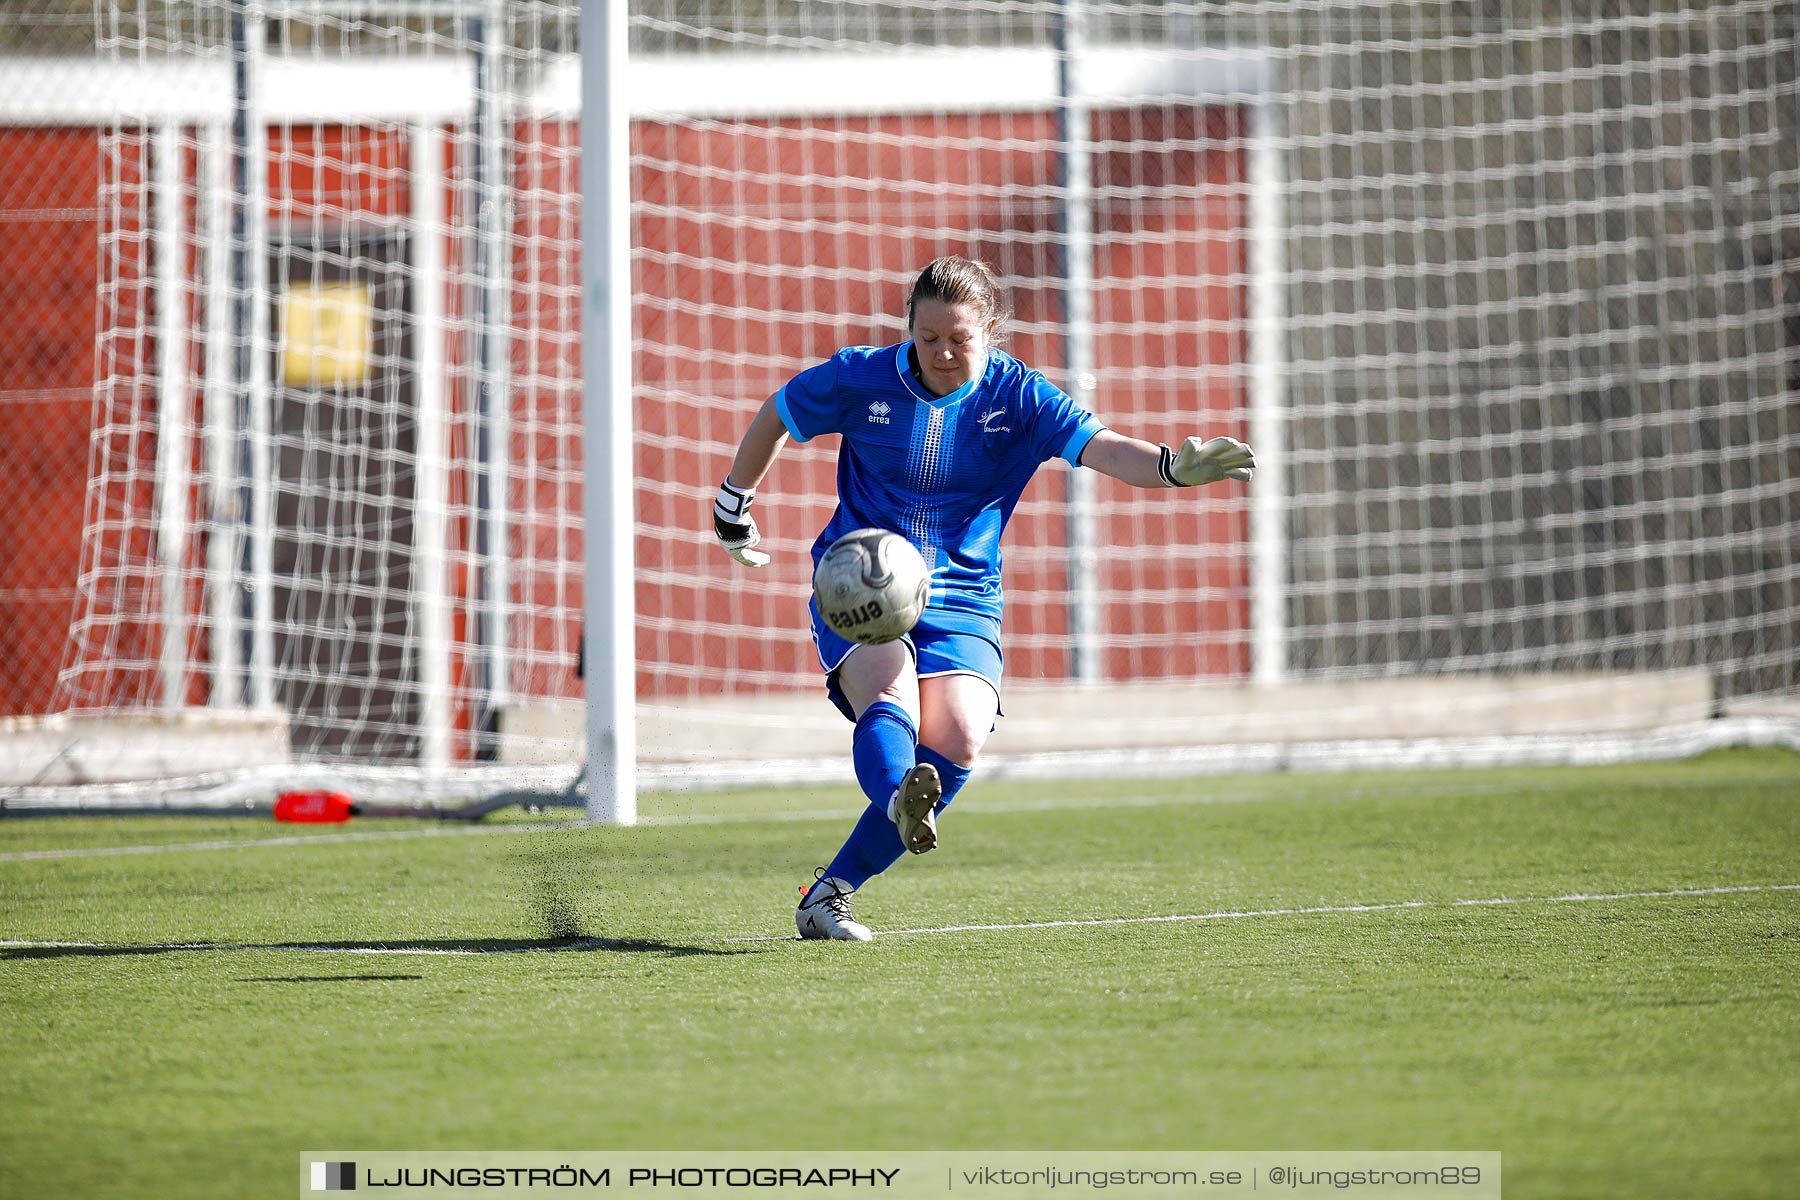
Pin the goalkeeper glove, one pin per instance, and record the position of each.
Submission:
(1199, 462)
(736, 527)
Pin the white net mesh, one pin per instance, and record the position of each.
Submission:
(1532, 386)
(369, 407)
(1504, 295)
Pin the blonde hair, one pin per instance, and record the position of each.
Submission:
(954, 279)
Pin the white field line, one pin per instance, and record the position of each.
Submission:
(311, 839)
(1142, 800)
(1495, 901)
(1224, 915)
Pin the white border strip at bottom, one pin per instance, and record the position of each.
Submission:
(253, 791)
(1226, 915)
(1362, 754)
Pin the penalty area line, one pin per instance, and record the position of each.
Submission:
(301, 839)
(1322, 909)
(679, 819)
(581, 944)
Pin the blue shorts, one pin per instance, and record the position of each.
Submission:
(949, 646)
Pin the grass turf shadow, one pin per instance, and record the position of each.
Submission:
(323, 978)
(452, 946)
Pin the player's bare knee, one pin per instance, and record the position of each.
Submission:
(877, 673)
(895, 694)
(959, 743)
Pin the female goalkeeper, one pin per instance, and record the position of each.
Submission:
(941, 433)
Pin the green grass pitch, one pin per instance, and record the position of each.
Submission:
(1638, 1045)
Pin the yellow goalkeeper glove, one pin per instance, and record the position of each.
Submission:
(1199, 462)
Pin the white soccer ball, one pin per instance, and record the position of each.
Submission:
(871, 586)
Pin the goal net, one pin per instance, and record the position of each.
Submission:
(1507, 299)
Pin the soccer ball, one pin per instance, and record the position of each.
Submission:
(871, 586)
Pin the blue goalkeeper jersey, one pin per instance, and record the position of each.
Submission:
(945, 471)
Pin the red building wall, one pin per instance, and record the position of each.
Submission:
(876, 197)
(49, 266)
(888, 194)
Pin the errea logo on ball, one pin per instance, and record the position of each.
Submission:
(334, 1177)
(878, 412)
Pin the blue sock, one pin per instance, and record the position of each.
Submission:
(874, 844)
(953, 775)
(884, 750)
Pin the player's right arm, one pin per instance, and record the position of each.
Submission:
(809, 404)
(732, 523)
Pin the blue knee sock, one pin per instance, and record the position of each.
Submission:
(873, 847)
(885, 748)
(953, 775)
(874, 844)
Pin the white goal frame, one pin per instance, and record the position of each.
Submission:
(1389, 663)
(426, 94)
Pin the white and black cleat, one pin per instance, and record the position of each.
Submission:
(824, 912)
(913, 808)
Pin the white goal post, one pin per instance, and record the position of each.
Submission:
(607, 410)
(409, 378)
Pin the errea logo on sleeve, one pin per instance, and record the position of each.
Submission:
(878, 412)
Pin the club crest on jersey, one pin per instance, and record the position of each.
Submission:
(878, 412)
(987, 420)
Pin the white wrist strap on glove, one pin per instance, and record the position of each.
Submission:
(735, 527)
(1210, 461)
(733, 503)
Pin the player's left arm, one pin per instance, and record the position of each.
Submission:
(1148, 465)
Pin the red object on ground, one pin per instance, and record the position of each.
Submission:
(317, 808)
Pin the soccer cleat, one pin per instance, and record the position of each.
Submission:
(824, 912)
(913, 808)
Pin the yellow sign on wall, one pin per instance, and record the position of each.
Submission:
(326, 332)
